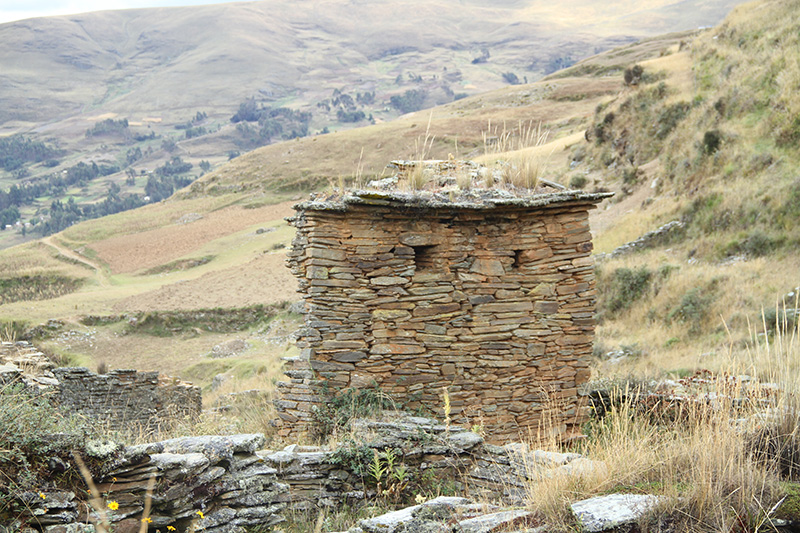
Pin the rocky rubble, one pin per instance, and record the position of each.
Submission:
(460, 515)
(318, 476)
(649, 239)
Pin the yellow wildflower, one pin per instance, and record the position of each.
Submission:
(42, 496)
(113, 505)
(170, 528)
(420, 498)
(147, 520)
(200, 514)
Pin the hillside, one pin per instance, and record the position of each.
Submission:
(218, 243)
(688, 301)
(148, 95)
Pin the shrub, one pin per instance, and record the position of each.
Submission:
(624, 287)
(693, 308)
(578, 181)
(669, 117)
(633, 75)
(32, 433)
(511, 78)
(411, 100)
(757, 244)
(712, 140)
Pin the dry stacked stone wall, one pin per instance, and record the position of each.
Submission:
(494, 304)
(127, 397)
(120, 398)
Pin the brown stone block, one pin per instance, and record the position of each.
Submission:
(494, 329)
(436, 318)
(436, 309)
(348, 357)
(388, 280)
(396, 349)
(504, 307)
(572, 288)
(535, 349)
(570, 340)
(546, 308)
(420, 239)
(581, 236)
(487, 267)
(390, 314)
(427, 339)
(332, 254)
(343, 345)
(489, 337)
(448, 369)
(383, 271)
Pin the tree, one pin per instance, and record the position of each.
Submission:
(633, 75)
(511, 78)
(411, 100)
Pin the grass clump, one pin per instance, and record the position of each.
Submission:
(335, 415)
(34, 435)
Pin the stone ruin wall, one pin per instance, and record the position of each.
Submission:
(495, 305)
(120, 398)
(127, 398)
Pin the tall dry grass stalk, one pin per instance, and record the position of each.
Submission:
(525, 135)
(416, 178)
(523, 171)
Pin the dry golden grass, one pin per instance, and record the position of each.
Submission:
(714, 460)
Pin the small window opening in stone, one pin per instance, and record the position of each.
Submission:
(517, 259)
(423, 257)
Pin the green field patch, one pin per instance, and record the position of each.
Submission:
(179, 265)
(36, 287)
(219, 320)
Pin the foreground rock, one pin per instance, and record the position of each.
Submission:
(324, 477)
(216, 483)
(448, 514)
(612, 511)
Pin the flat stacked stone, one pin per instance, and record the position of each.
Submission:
(491, 297)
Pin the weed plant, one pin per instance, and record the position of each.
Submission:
(32, 432)
(334, 416)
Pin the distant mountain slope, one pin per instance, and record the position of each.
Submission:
(162, 60)
(146, 97)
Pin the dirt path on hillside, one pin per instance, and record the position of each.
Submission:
(100, 274)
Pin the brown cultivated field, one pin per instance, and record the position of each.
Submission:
(148, 249)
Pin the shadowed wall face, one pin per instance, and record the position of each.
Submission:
(496, 306)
